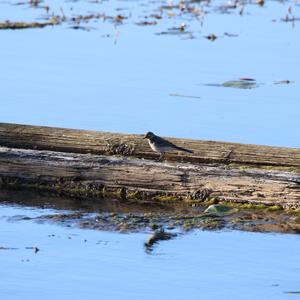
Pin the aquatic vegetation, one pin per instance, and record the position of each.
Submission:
(168, 217)
(24, 25)
(242, 83)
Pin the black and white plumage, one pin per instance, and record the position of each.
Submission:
(161, 145)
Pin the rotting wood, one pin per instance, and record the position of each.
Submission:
(85, 175)
(104, 143)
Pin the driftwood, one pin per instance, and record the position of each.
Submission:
(105, 143)
(123, 166)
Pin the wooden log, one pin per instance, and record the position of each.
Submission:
(105, 143)
(96, 164)
(100, 176)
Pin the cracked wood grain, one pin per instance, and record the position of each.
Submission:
(105, 143)
(75, 172)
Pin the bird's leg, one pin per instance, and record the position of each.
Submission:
(161, 156)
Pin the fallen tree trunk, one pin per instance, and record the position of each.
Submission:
(99, 176)
(58, 160)
(105, 143)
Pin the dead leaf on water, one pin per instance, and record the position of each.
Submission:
(260, 2)
(119, 18)
(156, 16)
(211, 37)
(181, 30)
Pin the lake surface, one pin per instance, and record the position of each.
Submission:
(74, 263)
(110, 75)
(122, 77)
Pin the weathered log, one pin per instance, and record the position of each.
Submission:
(104, 143)
(96, 164)
(128, 177)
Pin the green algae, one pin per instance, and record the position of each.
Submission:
(206, 202)
(166, 198)
(134, 195)
(243, 205)
(86, 190)
(134, 216)
(275, 208)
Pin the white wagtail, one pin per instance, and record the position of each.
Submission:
(161, 145)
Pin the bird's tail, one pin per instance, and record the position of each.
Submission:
(183, 149)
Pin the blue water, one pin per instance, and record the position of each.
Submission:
(120, 77)
(85, 264)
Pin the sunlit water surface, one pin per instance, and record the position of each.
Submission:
(75, 263)
(123, 77)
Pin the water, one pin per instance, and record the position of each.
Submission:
(74, 264)
(121, 77)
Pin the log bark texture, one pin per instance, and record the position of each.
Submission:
(96, 175)
(96, 164)
(105, 143)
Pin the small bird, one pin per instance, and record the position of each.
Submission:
(161, 145)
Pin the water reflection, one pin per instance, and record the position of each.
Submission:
(76, 263)
(160, 218)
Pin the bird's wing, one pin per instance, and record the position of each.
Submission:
(183, 149)
(164, 143)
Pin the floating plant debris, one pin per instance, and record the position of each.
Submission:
(242, 83)
(183, 96)
(8, 248)
(260, 2)
(145, 23)
(211, 37)
(25, 25)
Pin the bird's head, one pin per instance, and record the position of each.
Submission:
(149, 135)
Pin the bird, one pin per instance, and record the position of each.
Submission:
(161, 145)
